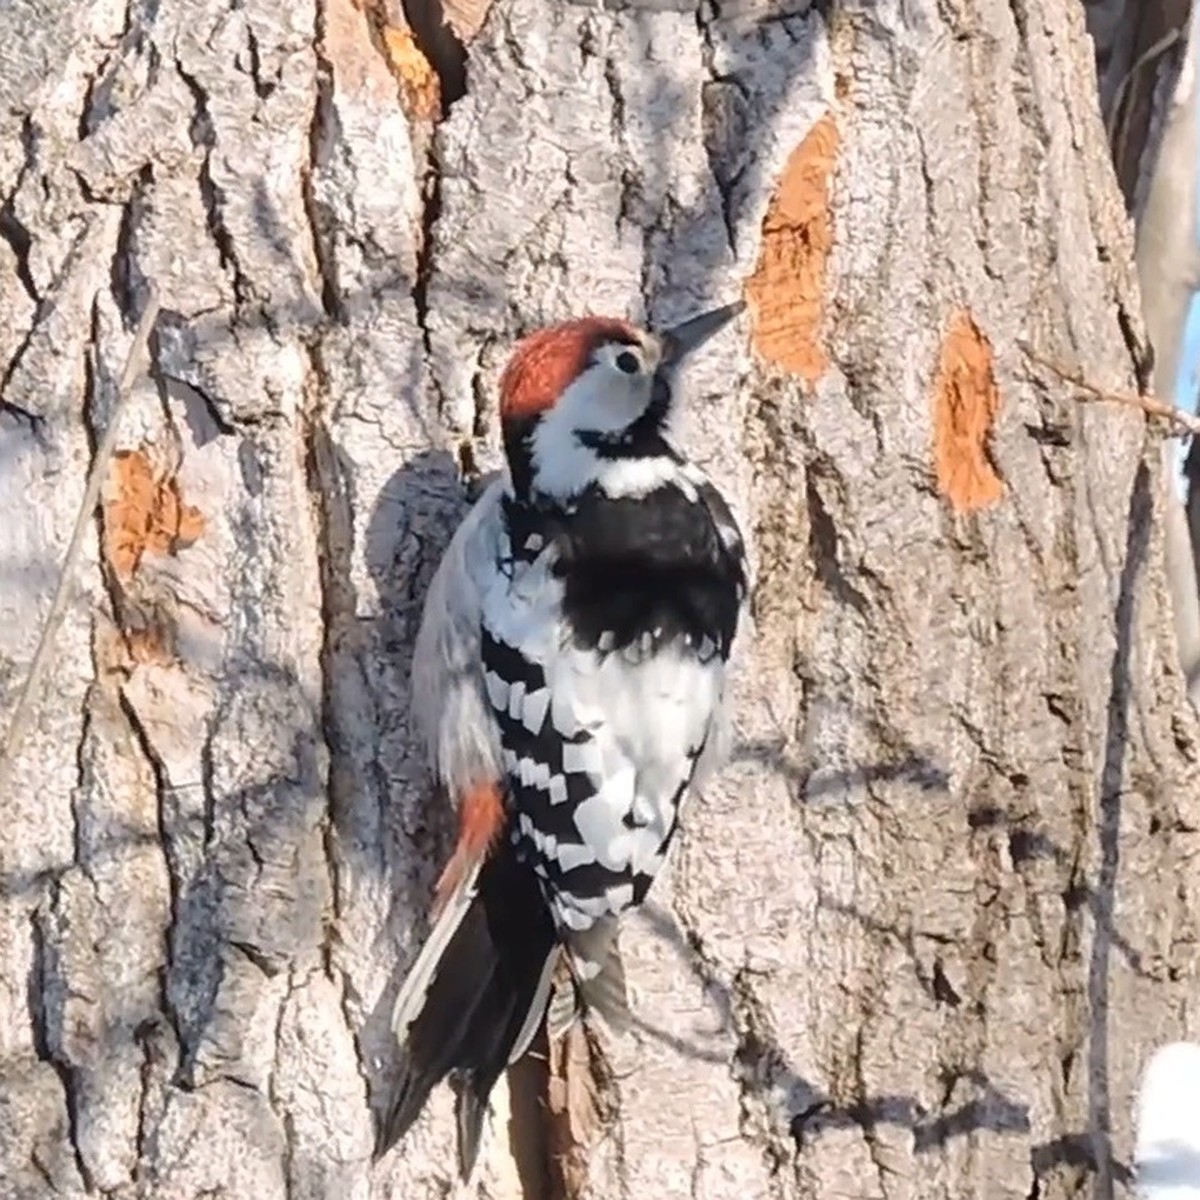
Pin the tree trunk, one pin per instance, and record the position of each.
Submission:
(920, 938)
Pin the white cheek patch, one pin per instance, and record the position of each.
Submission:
(600, 401)
(562, 466)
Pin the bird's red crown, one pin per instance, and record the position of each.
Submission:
(545, 363)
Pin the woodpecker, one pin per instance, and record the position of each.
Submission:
(569, 682)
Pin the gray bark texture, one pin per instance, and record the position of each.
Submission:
(920, 938)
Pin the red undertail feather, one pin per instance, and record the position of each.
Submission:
(480, 819)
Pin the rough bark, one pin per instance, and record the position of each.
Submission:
(920, 938)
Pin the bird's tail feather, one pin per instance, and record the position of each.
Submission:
(477, 988)
(540, 998)
(562, 1011)
(598, 976)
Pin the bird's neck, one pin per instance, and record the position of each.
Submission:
(605, 468)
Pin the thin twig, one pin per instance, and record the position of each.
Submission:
(45, 649)
(1160, 47)
(1184, 422)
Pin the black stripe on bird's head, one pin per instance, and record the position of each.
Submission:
(594, 387)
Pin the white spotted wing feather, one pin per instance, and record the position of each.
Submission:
(450, 708)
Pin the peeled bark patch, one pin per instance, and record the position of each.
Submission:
(965, 403)
(417, 79)
(144, 512)
(577, 1108)
(787, 289)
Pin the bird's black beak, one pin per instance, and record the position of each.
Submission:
(680, 340)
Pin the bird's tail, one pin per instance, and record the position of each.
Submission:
(594, 982)
(474, 997)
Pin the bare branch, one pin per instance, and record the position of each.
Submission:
(45, 649)
(1183, 422)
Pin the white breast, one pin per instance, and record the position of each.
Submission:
(648, 715)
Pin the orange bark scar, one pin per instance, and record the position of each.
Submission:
(143, 511)
(480, 819)
(418, 80)
(966, 401)
(377, 61)
(787, 290)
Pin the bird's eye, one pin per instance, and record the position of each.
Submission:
(627, 362)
